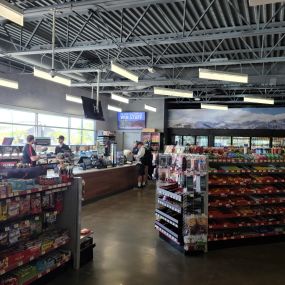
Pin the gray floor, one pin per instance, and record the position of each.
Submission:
(129, 252)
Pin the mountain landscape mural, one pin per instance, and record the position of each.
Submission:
(242, 118)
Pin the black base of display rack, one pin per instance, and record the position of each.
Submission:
(172, 243)
(244, 242)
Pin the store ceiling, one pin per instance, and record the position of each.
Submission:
(173, 37)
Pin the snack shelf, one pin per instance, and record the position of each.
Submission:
(248, 203)
(249, 215)
(253, 182)
(172, 195)
(247, 236)
(161, 230)
(40, 275)
(171, 206)
(31, 257)
(171, 220)
(38, 189)
(246, 161)
(229, 225)
(244, 192)
(220, 171)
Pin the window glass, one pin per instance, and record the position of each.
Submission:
(53, 121)
(260, 142)
(88, 137)
(222, 141)
(188, 140)
(88, 124)
(241, 141)
(178, 140)
(278, 142)
(75, 123)
(20, 133)
(75, 137)
(54, 133)
(5, 131)
(26, 118)
(5, 115)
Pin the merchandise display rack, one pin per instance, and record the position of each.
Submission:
(181, 211)
(246, 198)
(54, 243)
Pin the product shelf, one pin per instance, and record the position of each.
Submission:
(229, 225)
(245, 161)
(173, 207)
(249, 171)
(38, 189)
(172, 195)
(248, 203)
(247, 236)
(32, 256)
(244, 192)
(253, 182)
(233, 215)
(167, 218)
(166, 233)
(40, 275)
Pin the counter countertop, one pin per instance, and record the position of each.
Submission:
(78, 171)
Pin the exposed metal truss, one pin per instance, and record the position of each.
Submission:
(173, 37)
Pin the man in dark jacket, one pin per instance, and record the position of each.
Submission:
(61, 148)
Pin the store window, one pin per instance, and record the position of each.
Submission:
(6, 116)
(88, 137)
(52, 120)
(75, 137)
(25, 118)
(241, 141)
(5, 131)
(260, 141)
(20, 133)
(278, 142)
(54, 133)
(188, 140)
(178, 140)
(88, 124)
(75, 123)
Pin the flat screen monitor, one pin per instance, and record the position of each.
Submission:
(43, 141)
(90, 109)
(131, 120)
(7, 141)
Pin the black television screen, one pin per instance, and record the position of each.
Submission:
(90, 110)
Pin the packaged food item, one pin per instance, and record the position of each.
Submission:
(48, 202)
(36, 205)
(3, 211)
(13, 207)
(50, 218)
(9, 280)
(25, 205)
(3, 189)
(21, 184)
(36, 226)
(14, 235)
(25, 230)
(4, 238)
(59, 202)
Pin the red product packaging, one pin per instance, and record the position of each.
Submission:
(36, 204)
(9, 280)
(59, 202)
(25, 205)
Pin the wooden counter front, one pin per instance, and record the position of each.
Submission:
(100, 183)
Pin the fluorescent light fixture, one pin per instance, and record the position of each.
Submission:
(73, 99)
(263, 2)
(11, 12)
(258, 100)
(172, 92)
(9, 83)
(214, 107)
(223, 76)
(46, 75)
(121, 70)
(113, 108)
(120, 98)
(150, 108)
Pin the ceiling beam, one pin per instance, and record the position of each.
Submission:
(165, 39)
(67, 9)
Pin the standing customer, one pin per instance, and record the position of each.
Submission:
(29, 154)
(62, 147)
(140, 159)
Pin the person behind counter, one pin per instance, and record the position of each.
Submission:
(29, 154)
(62, 147)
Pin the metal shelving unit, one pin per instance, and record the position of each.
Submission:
(181, 212)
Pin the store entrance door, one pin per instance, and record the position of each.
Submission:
(130, 138)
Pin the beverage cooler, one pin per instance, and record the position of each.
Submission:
(241, 141)
(202, 141)
(278, 142)
(260, 142)
(222, 141)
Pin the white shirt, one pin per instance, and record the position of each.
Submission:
(140, 154)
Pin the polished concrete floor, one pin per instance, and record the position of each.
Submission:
(129, 252)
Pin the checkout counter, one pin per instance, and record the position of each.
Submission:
(100, 183)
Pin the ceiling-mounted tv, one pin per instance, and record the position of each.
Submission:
(90, 109)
